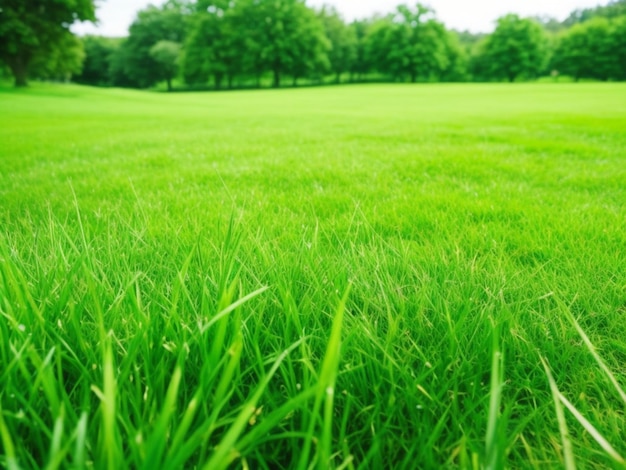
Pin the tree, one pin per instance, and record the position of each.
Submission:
(343, 41)
(166, 55)
(360, 65)
(65, 60)
(614, 9)
(99, 53)
(549, 24)
(456, 69)
(517, 48)
(281, 36)
(212, 46)
(35, 29)
(119, 66)
(377, 44)
(588, 50)
(247, 41)
(5, 73)
(410, 43)
(308, 55)
(478, 63)
(132, 64)
(619, 43)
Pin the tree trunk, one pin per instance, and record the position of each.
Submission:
(338, 78)
(230, 82)
(276, 78)
(413, 77)
(218, 81)
(19, 68)
(511, 78)
(295, 81)
(169, 84)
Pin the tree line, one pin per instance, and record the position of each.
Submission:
(255, 43)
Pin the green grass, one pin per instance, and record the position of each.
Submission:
(356, 277)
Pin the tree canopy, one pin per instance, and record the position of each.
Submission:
(166, 54)
(342, 39)
(593, 49)
(613, 9)
(133, 64)
(517, 48)
(99, 53)
(214, 46)
(409, 44)
(37, 31)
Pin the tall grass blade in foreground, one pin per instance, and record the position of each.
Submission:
(325, 394)
(593, 432)
(7, 443)
(495, 428)
(107, 446)
(568, 453)
(225, 451)
(594, 352)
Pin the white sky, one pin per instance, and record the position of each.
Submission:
(478, 16)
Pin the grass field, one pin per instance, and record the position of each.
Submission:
(372, 276)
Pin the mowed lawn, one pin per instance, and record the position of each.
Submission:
(371, 276)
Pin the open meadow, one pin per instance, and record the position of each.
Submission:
(369, 276)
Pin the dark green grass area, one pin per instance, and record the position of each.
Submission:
(351, 277)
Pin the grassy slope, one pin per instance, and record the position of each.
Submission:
(129, 220)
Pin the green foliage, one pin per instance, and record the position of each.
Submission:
(246, 42)
(619, 46)
(132, 64)
(361, 64)
(253, 37)
(517, 48)
(32, 31)
(215, 46)
(99, 52)
(457, 67)
(549, 24)
(591, 50)
(310, 49)
(614, 9)
(62, 62)
(282, 37)
(343, 42)
(411, 44)
(166, 54)
(5, 73)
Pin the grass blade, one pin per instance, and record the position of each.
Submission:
(592, 431)
(159, 439)
(7, 443)
(232, 307)
(81, 442)
(568, 453)
(494, 446)
(595, 354)
(107, 449)
(326, 391)
(223, 455)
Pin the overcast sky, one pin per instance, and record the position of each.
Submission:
(478, 16)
